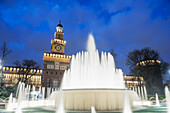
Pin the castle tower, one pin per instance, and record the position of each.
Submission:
(58, 44)
(56, 61)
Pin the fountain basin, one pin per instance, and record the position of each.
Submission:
(101, 99)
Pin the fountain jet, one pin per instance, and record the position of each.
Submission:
(89, 71)
(127, 107)
(93, 109)
(93, 80)
(9, 107)
(167, 95)
(157, 100)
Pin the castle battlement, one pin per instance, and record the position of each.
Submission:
(150, 62)
(57, 55)
(17, 69)
(59, 41)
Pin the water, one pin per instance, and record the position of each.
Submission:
(139, 93)
(157, 100)
(48, 91)
(142, 93)
(43, 93)
(33, 91)
(42, 110)
(94, 81)
(127, 107)
(52, 90)
(60, 107)
(9, 107)
(167, 95)
(133, 88)
(145, 92)
(136, 89)
(89, 71)
(20, 97)
(93, 109)
(18, 89)
(39, 90)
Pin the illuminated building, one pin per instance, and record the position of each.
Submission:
(148, 62)
(56, 61)
(133, 81)
(11, 76)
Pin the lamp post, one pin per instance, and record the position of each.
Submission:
(0, 72)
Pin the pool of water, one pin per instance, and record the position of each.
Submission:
(41, 110)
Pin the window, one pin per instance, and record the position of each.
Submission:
(56, 73)
(47, 72)
(50, 66)
(60, 73)
(51, 72)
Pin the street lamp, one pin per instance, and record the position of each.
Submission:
(0, 71)
(0, 64)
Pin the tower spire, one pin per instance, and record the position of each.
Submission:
(60, 22)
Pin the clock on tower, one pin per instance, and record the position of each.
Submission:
(58, 44)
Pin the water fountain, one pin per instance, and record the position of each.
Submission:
(94, 81)
(157, 100)
(145, 92)
(21, 88)
(60, 107)
(33, 92)
(167, 95)
(139, 92)
(9, 107)
(136, 89)
(142, 93)
(43, 93)
(48, 91)
(127, 107)
(39, 92)
(93, 109)
(133, 88)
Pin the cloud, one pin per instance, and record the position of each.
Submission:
(107, 16)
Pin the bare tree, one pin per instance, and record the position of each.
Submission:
(28, 65)
(113, 53)
(4, 51)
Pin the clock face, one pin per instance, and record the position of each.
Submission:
(58, 47)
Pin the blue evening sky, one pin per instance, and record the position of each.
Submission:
(124, 25)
